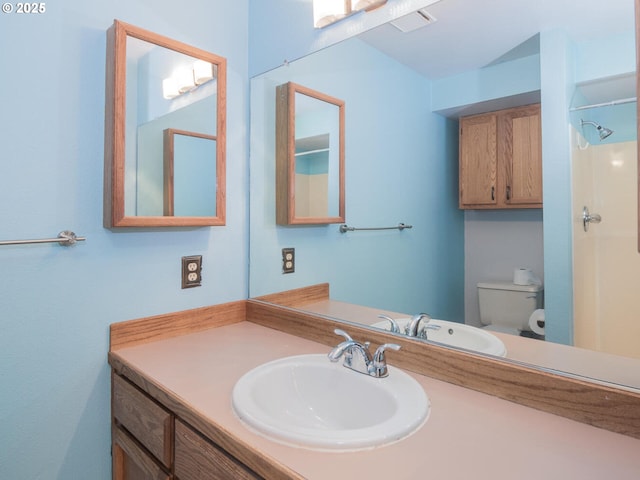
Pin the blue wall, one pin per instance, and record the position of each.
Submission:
(558, 84)
(57, 303)
(487, 84)
(401, 166)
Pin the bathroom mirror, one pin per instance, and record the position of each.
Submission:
(402, 130)
(189, 172)
(309, 156)
(164, 132)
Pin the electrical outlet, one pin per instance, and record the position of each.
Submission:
(288, 260)
(192, 271)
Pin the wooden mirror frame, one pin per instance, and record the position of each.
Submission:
(169, 151)
(115, 117)
(285, 156)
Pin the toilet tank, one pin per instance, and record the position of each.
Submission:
(508, 305)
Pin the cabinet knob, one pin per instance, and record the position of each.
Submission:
(508, 192)
(493, 193)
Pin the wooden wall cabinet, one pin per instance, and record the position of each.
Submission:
(136, 176)
(310, 156)
(501, 159)
(150, 443)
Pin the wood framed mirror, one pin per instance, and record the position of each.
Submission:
(309, 157)
(188, 173)
(155, 85)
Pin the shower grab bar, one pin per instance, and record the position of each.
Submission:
(400, 226)
(605, 104)
(66, 238)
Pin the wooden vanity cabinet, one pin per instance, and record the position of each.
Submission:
(150, 443)
(131, 461)
(501, 159)
(142, 434)
(197, 458)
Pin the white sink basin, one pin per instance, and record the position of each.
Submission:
(308, 401)
(456, 335)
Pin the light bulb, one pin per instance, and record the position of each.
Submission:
(326, 12)
(357, 5)
(184, 78)
(202, 72)
(170, 88)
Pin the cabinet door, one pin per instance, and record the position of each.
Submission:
(521, 154)
(478, 160)
(199, 459)
(130, 462)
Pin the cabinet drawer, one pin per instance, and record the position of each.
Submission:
(147, 421)
(130, 462)
(197, 458)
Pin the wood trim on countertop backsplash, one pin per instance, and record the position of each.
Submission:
(298, 297)
(149, 329)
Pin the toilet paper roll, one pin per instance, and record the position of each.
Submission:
(525, 276)
(536, 321)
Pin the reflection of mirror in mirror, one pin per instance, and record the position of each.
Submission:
(150, 112)
(312, 175)
(189, 174)
(317, 163)
(403, 155)
(309, 156)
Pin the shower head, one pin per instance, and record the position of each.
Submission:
(603, 132)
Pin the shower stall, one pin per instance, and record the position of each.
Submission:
(606, 262)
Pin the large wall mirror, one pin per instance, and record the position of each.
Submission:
(309, 156)
(406, 91)
(165, 132)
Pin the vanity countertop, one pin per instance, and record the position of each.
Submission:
(468, 434)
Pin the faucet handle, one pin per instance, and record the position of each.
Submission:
(413, 326)
(395, 328)
(346, 336)
(379, 363)
(380, 350)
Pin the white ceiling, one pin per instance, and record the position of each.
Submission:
(470, 34)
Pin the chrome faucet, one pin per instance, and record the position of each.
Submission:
(395, 328)
(413, 327)
(358, 357)
(378, 368)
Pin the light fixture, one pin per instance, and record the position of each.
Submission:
(184, 77)
(170, 88)
(202, 72)
(326, 12)
(366, 5)
(187, 79)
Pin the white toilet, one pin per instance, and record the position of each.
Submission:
(506, 307)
